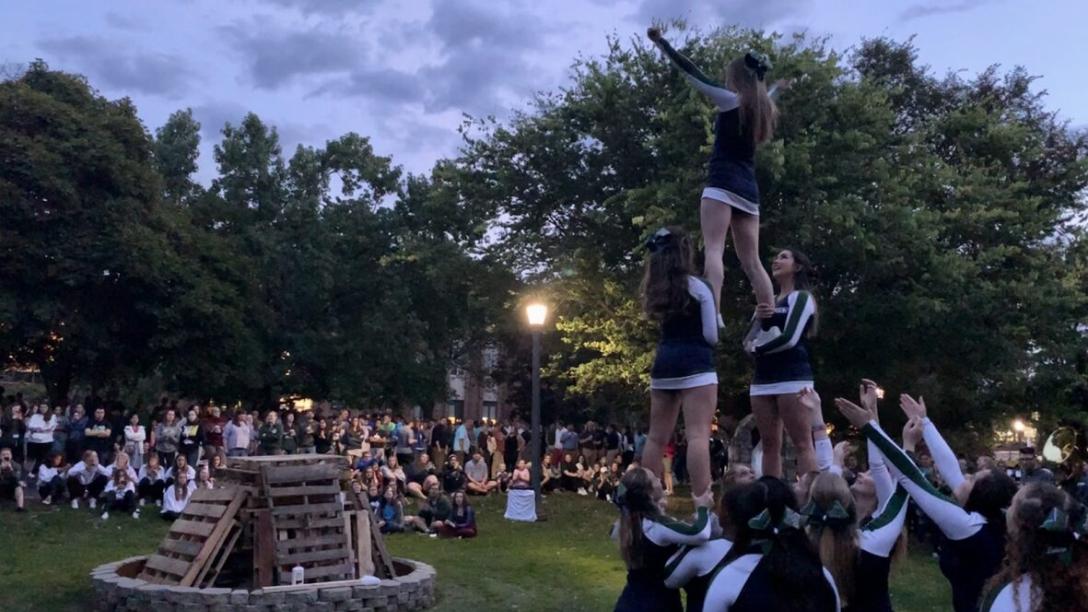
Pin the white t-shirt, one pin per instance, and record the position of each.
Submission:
(131, 472)
(40, 430)
(160, 474)
(87, 474)
(47, 473)
(112, 486)
(170, 502)
(559, 437)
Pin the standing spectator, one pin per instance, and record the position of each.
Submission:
(270, 436)
(77, 428)
(569, 442)
(307, 430)
(589, 450)
(176, 498)
(1029, 469)
(192, 437)
(477, 473)
(491, 454)
(462, 440)
(323, 437)
(120, 495)
(557, 448)
(510, 447)
(39, 441)
(612, 448)
(462, 520)
(599, 437)
(60, 434)
(167, 436)
(440, 443)
(87, 479)
(670, 452)
(14, 434)
(12, 483)
(237, 435)
(290, 434)
(51, 479)
(98, 436)
(213, 425)
(151, 481)
(135, 436)
(254, 420)
(404, 438)
(419, 442)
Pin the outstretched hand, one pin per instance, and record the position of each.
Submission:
(912, 434)
(654, 33)
(913, 409)
(810, 400)
(868, 395)
(857, 415)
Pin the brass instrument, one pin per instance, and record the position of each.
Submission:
(1067, 447)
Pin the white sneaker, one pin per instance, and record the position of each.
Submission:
(142, 502)
(75, 504)
(582, 492)
(48, 501)
(105, 515)
(92, 503)
(135, 514)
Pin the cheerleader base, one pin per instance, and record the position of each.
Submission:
(521, 505)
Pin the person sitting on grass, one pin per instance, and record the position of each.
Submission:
(521, 478)
(421, 475)
(391, 512)
(181, 465)
(549, 475)
(453, 477)
(570, 474)
(462, 519)
(121, 461)
(432, 513)
(375, 499)
(11, 480)
(86, 480)
(120, 495)
(393, 474)
(477, 472)
(176, 497)
(151, 481)
(51, 478)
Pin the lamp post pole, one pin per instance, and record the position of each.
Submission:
(536, 433)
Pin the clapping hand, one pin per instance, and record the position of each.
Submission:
(868, 395)
(912, 434)
(810, 400)
(654, 33)
(913, 409)
(857, 415)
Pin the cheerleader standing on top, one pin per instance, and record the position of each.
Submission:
(647, 539)
(746, 117)
(783, 369)
(683, 373)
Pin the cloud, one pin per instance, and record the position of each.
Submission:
(334, 8)
(275, 57)
(122, 68)
(216, 114)
(728, 12)
(385, 84)
(920, 11)
(123, 22)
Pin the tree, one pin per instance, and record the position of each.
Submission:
(177, 147)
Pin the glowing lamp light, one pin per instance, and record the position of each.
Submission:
(1018, 426)
(537, 313)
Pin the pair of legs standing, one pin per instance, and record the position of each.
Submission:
(716, 219)
(698, 404)
(773, 413)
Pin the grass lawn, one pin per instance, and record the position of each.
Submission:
(566, 563)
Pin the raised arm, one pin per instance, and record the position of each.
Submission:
(724, 99)
(801, 310)
(693, 561)
(708, 313)
(665, 531)
(878, 537)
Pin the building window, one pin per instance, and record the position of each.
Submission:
(490, 410)
(457, 408)
(491, 358)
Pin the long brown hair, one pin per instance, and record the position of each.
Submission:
(1060, 580)
(665, 282)
(836, 539)
(635, 497)
(804, 280)
(758, 113)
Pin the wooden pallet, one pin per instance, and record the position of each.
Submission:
(195, 542)
(308, 522)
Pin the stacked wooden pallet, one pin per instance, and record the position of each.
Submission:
(199, 542)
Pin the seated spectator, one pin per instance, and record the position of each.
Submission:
(393, 474)
(204, 478)
(609, 479)
(365, 461)
(120, 494)
(86, 480)
(453, 477)
(432, 513)
(462, 519)
(51, 478)
(391, 512)
(421, 475)
(521, 478)
(217, 463)
(121, 461)
(181, 464)
(476, 471)
(570, 474)
(11, 480)
(151, 481)
(176, 497)
(375, 499)
(549, 475)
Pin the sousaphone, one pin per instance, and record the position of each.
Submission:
(1066, 447)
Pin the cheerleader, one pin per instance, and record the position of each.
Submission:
(746, 117)
(647, 539)
(779, 345)
(683, 372)
(1046, 558)
(771, 565)
(973, 522)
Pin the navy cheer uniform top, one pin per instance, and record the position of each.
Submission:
(645, 590)
(685, 353)
(782, 363)
(731, 171)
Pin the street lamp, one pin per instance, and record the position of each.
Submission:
(537, 314)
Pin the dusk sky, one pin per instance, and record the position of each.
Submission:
(403, 72)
